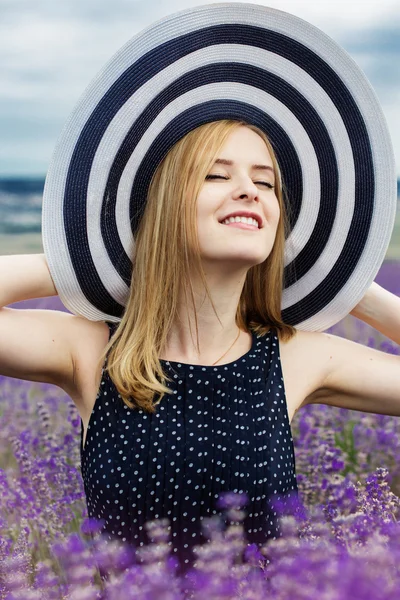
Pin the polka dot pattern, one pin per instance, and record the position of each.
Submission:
(224, 428)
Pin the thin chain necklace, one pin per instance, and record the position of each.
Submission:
(228, 348)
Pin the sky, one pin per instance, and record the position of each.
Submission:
(50, 51)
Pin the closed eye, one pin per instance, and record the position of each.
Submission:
(269, 185)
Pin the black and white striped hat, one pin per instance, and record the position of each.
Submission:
(237, 61)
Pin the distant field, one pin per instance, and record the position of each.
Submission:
(21, 243)
(31, 243)
(393, 252)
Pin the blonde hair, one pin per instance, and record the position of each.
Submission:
(165, 244)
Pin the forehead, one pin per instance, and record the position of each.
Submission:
(245, 145)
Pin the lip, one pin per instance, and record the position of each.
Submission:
(245, 213)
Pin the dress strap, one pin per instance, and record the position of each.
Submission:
(112, 327)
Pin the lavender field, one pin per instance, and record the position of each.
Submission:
(341, 541)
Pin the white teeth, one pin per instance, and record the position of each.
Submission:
(247, 220)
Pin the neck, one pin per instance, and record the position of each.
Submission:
(215, 337)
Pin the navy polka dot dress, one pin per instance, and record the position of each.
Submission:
(224, 428)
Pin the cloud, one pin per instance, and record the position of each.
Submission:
(52, 50)
(377, 51)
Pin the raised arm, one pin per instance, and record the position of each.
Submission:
(355, 376)
(35, 345)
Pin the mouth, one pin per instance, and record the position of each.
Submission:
(251, 219)
(239, 225)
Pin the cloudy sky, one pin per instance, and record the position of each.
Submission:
(50, 51)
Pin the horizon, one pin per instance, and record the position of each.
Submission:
(43, 177)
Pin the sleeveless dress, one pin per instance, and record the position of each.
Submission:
(224, 428)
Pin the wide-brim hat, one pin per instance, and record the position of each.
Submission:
(225, 61)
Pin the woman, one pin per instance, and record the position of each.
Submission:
(192, 391)
(238, 261)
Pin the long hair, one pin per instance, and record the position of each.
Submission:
(166, 243)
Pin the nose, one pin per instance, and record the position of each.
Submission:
(247, 189)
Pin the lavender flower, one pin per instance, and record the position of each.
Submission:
(339, 538)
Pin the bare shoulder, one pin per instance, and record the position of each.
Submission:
(304, 367)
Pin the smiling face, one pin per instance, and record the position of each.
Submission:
(241, 180)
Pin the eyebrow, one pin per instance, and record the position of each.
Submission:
(224, 161)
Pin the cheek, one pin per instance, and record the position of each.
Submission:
(273, 212)
(204, 203)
